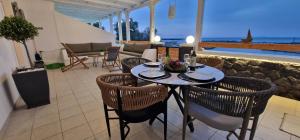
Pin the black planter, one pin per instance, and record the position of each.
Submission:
(33, 87)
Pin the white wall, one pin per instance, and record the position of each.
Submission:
(58, 28)
(8, 91)
(74, 31)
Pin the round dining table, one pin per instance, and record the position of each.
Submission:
(173, 81)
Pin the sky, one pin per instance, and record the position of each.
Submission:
(224, 18)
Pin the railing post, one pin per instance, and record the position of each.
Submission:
(127, 25)
(152, 23)
(120, 27)
(199, 22)
(111, 26)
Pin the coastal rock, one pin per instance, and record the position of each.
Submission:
(291, 71)
(272, 66)
(254, 63)
(227, 65)
(232, 60)
(259, 75)
(274, 75)
(293, 80)
(268, 79)
(286, 75)
(244, 73)
(231, 72)
(297, 87)
(283, 82)
(254, 69)
(295, 94)
(239, 66)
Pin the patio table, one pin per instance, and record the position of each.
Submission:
(173, 82)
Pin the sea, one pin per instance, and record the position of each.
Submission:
(269, 40)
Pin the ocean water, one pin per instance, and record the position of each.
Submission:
(283, 40)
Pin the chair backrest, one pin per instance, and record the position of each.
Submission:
(120, 86)
(235, 97)
(150, 54)
(112, 53)
(129, 63)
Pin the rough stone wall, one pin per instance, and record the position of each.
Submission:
(285, 75)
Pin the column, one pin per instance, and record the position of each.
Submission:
(127, 25)
(152, 25)
(111, 25)
(120, 27)
(199, 23)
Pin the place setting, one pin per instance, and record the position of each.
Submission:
(187, 70)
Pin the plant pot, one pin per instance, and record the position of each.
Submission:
(33, 87)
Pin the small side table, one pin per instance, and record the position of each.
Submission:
(95, 60)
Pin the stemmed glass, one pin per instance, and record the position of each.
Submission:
(160, 58)
(187, 61)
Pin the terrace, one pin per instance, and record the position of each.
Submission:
(76, 110)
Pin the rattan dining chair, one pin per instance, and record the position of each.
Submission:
(111, 58)
(229, 108)
(131, 104)
(129, 63)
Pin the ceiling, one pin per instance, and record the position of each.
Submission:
(92, 10)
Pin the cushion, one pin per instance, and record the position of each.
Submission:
(214, 119)
(142, 115)
(97, 47)
(139, 48)
(129, 47)
(131, 53)
(149, 54)
(88, 53)
(80, 48)
(136, 48)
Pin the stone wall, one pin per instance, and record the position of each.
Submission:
(285, 75)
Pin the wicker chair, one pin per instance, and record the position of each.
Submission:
(129, 63)
(132, 104)
(237, 101)
(211, 61)
(111, 58)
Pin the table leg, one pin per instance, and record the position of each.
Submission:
(177, 99)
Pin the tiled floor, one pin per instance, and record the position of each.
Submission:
(76, 113)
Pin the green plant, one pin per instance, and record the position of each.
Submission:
(19, 30)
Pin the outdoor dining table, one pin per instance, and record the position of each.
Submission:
(173, 82)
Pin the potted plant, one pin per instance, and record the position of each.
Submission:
(101, 52)
(32, 83)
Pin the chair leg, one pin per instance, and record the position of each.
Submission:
(122, 126)
(151, 121)
(253, 128)
(107, 120)
(165, 121)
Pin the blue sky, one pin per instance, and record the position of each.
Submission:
(225, 18)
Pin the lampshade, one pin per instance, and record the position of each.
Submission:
(190, 39)
(157, 38)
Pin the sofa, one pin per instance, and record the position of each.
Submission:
(134, 49)
(84, 50)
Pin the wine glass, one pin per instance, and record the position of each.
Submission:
(160, 58)
(187, 61)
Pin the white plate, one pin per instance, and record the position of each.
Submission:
(199, 76)
(152, 73)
